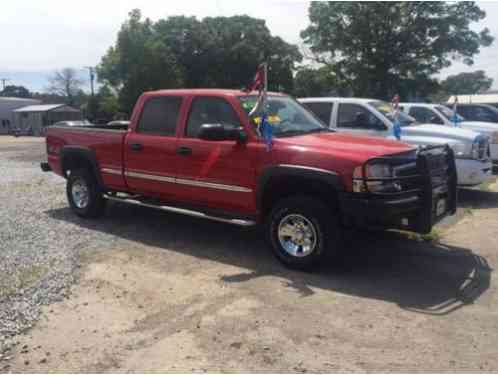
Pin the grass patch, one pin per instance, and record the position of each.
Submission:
(433, 236)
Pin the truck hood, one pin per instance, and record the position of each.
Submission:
(427, 134)
(482, 127)
(353, 147)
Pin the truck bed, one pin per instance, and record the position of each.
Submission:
(105, 142)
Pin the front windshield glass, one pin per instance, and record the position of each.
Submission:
(386, 109)
(448, 113)
(287, 116)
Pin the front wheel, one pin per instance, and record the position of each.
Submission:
(83, 194)
(303, 232)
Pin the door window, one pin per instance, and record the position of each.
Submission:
(425, 115)
(483, 114)
(357, 117)
(210, 110)
(321, 110)
(160, 115)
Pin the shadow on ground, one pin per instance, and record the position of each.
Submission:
(474, 198)
(418, 276)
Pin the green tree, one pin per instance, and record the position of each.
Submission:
(467, 83)
(16, 92)
(317, 82)
(138, 62)
(378, 46)
(182, 51)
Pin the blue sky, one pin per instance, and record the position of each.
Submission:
(40, 36)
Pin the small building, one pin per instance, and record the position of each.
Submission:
(34, 119)
(9, 104)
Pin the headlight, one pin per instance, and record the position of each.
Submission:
(373, 180)
(462, 151)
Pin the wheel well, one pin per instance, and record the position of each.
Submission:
(75, 161)
(285, 186)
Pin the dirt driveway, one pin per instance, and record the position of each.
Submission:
(171, 293)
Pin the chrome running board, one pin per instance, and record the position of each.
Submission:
(198, 214)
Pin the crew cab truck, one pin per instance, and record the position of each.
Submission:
(199, 153)
(442, 115)
(373, 117)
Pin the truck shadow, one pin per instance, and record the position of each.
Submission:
(474, 198)
(418, 276)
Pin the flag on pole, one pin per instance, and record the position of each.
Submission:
(260, 83)
(455, 112)
(395, 113)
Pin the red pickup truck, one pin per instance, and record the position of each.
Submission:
(198, 152)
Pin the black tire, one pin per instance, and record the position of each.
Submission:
(95, 203)
(317, 216)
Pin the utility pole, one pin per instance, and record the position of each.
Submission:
(3, 82)
(92, 107)
(91, 70)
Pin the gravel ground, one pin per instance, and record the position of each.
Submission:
(37, 252)
(164, 292)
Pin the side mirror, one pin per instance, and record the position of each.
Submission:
(217, 132)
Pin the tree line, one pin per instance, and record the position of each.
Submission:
(368, 49)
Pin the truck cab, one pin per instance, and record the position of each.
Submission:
(373, 118)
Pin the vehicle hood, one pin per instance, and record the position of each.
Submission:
(479, 126)
(352, 147)
(427, 134)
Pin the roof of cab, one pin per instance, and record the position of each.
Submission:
(208, 92)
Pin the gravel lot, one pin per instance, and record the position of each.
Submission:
(161, 292)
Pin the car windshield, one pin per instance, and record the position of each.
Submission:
(386, 109)
(287, 116)
(448, 113)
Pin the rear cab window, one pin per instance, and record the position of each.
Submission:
(160, 115)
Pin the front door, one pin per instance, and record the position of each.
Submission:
(219, 174)
(150, 152)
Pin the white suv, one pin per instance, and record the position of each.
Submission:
(441, 115)
(374, 118)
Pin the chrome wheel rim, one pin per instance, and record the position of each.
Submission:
(297, 235)
(79, 193)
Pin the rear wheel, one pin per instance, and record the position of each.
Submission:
(83, 194)
(303, 232)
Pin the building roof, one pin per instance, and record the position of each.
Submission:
(39, 108)
(476, 99)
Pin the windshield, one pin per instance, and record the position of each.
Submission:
(386, 109)
(287, 116)
(448, 113)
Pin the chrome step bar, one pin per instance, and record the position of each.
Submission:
(198, 214)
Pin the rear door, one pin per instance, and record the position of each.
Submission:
(150, 150)
(219, 174)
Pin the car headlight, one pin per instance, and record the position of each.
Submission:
(375, 178)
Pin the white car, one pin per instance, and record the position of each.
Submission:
(374, 118)
(441, 115)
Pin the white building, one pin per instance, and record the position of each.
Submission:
(7, 105)
(34, 119)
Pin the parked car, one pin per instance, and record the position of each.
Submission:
(197, 152)
(477, 112)
(374, 118)
(442, 115)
